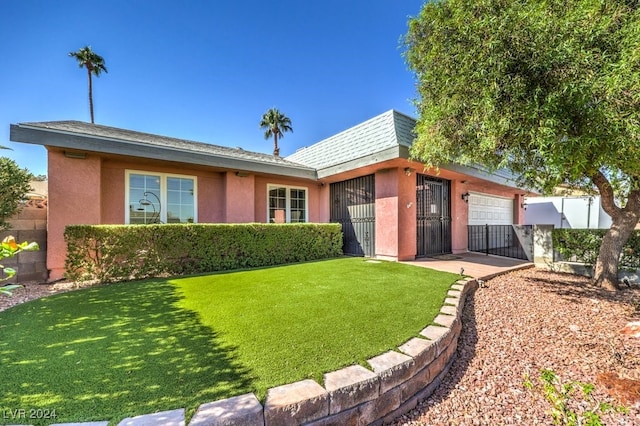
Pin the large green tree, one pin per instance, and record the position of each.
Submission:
(94, 64)
(549, 89)
(275, 124)
(14, 185)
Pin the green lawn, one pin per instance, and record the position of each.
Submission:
(115, 351)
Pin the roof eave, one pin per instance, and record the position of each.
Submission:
(47, 137)
(391, 153)
(501, 177)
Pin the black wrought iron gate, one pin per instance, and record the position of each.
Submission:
(433, 215)
(353, 205)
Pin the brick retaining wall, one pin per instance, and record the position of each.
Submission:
(393, 384)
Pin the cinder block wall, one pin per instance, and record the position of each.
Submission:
(29, 225)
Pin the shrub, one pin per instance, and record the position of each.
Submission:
(572, 402)
(582, 245)
(14, 184)
(109, 253)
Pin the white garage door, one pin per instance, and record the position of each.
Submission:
(490, 210)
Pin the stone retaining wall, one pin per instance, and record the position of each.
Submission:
(393, 384)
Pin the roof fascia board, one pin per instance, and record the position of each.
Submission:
(504, 178)
(47, 137)
(401, 151)
(391, 153)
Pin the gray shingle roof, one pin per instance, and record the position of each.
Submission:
(384, 137)
(387, 130)
(99, 138)
(106, 132)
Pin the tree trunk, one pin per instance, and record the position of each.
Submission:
(606, 269)
(624, 221)
(276, 150)
(90, 95)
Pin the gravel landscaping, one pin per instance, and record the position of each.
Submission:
(530, 320)
(31, 291)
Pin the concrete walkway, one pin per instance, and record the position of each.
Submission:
(476, 265)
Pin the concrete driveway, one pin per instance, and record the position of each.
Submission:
(475, 265)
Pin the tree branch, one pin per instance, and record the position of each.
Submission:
(606, 194)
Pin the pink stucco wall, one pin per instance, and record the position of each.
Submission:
(459, 218)
(395, 214)
(92, 191)
(239, 198)
(211, 208)
(74, 197)
(112, 193)
(387, 193)
(396, 205)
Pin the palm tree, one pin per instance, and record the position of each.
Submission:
(275, 124)
(94, 64)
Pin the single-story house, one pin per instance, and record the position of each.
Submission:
(390, 206)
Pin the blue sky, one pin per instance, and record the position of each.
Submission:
(204, 70)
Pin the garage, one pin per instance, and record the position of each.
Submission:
(487, 209)
(491, 229)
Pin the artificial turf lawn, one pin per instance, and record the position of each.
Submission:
(126, 349)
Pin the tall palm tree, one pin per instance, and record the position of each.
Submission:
(94, 64)
(275, 124)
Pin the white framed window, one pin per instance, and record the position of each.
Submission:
(160, 198)
(286, 204)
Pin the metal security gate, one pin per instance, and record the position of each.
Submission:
(515, 241)
(353, 205)
(433, 215)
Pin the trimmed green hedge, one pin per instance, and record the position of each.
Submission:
(109, 253)
(582, 245)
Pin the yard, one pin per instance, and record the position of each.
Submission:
(115, 351)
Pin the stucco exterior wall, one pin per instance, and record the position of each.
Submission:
(211, 207)
(92, 191)
(407, 215)
(387, 193)
(239, 200)
(75, 191)
(459, 218)
(395, 214)
(113, 184)
(396, 228)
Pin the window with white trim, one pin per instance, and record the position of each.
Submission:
(159, 198)
(286, 204)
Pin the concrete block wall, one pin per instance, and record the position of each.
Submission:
(28, 225)
(393, 384)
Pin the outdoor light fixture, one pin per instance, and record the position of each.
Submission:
(465, 197)
(523, 204)
(242, 174)
(408, 171)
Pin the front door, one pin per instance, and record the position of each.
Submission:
(433, 215)
(353, 205)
